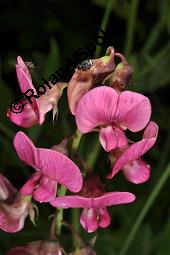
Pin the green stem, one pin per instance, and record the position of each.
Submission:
(92, 157)
(76, 141)
(104, 22)
(75, 216)
(131, 25)
(145, 209)
(62, 191)
(59, 218)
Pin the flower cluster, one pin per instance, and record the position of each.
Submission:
(98, 99)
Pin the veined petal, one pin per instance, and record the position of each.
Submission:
(60, 168)
(112, 137)
(89, 220)
(72, 202)
(25, 149)
(96, 108)
(133, 111)
(137, 171)
(46, 190)
(53, 164)
(107, 199)
(136, 150)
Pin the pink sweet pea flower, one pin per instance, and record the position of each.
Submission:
(14, 207)
(52, 167)
(94, 200)
(113, 113)
(37, 248)
(34, 113)
(135, 169)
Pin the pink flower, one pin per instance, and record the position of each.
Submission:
(113, 113)
(52, 167)
(37, 248)
(94, 200)
(14, 207)
(38, 102)
(135, 169)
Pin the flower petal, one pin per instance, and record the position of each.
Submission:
(89, 220)
(23, 66)
(6, 188)
(80, 83)
(133, 111)
(104, 217)
(136, 150)
(26, 118)
(12, 216)
(46, 190)
(25, 83)
(137, 171)
(72, 202)
(96, 108)
(28, 187)
(25, 149)
(53, 164)
(107, 199)
(112, 137)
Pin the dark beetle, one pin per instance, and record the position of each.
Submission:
(85, 65)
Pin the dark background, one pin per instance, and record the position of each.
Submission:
(47, 32)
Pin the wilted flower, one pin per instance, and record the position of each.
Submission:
(103, 66)
(94, 200)
(14, 207)
(52, 167)
(37, 248)
(80, 83)
(84, 79)
(135, 169)
(113, 113)
(38, 102)
(121, 75)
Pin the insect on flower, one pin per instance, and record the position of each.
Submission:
(85, 65)
(30, 65)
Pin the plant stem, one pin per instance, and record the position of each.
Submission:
(75, 216)
(76, 141)
(104, 22)
(59, 218)
(131, 25)
(62, 190)
(145, 209)
(75, 212)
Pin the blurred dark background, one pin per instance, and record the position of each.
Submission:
(46, 33)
